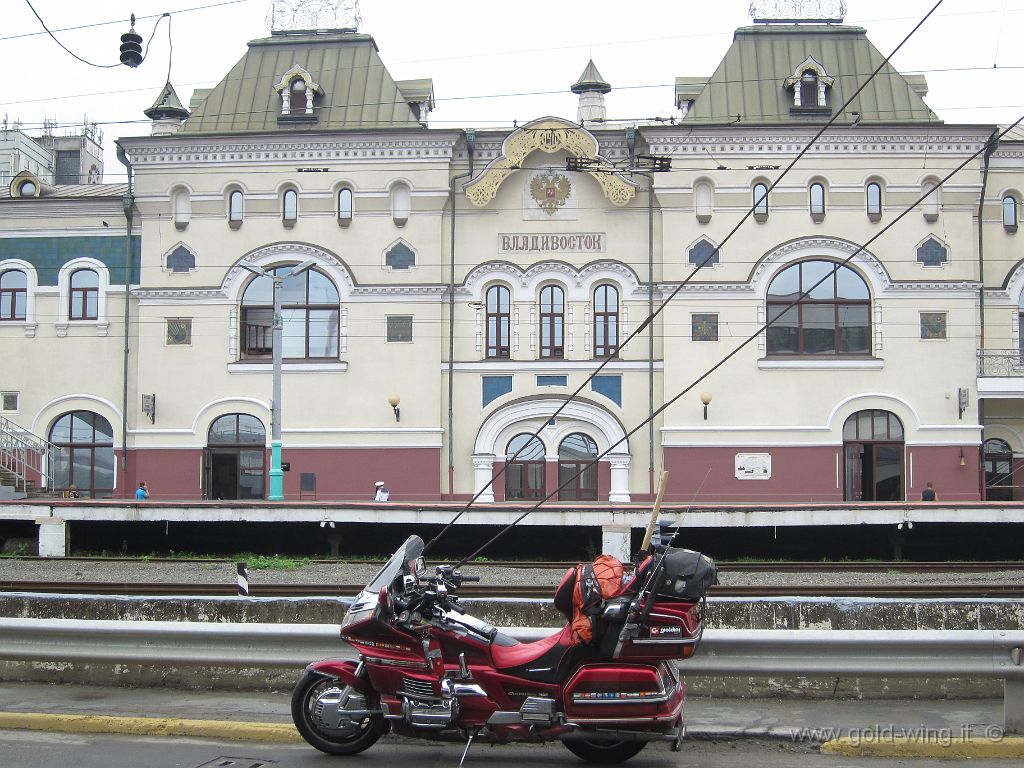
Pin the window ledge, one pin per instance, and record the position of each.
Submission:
(329, 366)
(821, 363)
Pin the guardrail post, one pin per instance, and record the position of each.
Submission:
(1013, 706)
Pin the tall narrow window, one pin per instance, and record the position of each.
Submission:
(817, 201)
(236, 208)
(930, 205)
(873, 201)
(703, 201)
(13, 294)
(84, 295)
(809, 89)
(760, 201)
(606, 321)
(345, 206)
(297, 92)
(84, 454)
(401, 204)
(499, 319)
(1010, 213)
(552, 321)
(290, 207)
(577, 468)
(182, 209)
(524, 474)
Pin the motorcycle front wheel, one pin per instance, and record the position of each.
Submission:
(311, 695)
(600, 751)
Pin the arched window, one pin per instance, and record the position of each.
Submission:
(401, 203)
(998, 460)
(873, 447)
(606, 321)
(524, 475)
(576, 480)
(1010, 213)
(552, 321)
(27, 189)
(816, 200)
(83, 295)
(873, 200)
(236, 208)
(809, 89)
(310, 315)
(345, 206)
(85, 454)
(290, 207)
(760, 201)
(833, 319)
(499, 319)
(234, 461)
(703, 201)
(297, 93)
(182, 209)
(13, 294)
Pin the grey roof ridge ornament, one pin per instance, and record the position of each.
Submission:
(307, 15)
(797, 11)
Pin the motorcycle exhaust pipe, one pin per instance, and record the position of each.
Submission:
(589, 734)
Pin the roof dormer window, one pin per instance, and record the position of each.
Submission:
(810, 84)
(298, 94)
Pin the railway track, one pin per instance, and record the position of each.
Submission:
(169, 589)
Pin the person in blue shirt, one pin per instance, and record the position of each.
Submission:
(142, 492)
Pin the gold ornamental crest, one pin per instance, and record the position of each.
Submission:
(550, 191)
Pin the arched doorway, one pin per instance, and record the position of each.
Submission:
(85, 454)
(998, 459)
(234, 462)
(873, 449)
(524, 476)
(577, 471)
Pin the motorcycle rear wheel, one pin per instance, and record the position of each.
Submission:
(601, 751)
(334, 741)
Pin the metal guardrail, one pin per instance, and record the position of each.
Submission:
(1001, 362)
(22, 453)
(993, 654)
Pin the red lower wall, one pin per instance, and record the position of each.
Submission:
(808, 474)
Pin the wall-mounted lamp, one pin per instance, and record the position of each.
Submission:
(705, 398)
(393, 401)
(963, 462)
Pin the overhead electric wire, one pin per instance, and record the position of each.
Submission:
(650, 318)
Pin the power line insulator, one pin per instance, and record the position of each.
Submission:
(131, 47)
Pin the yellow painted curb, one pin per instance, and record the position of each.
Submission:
(928, 746)
(151, 726)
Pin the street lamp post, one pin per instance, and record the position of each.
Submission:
(276, 473)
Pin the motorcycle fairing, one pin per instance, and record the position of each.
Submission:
(343, 670)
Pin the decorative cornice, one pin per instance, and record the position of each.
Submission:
(513, 273)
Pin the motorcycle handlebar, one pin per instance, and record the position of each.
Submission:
(471, 578)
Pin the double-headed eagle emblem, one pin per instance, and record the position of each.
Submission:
(550, 191)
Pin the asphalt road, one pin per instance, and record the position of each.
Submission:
(33, 749)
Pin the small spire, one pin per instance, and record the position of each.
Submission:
(590, 81)
(167, 105)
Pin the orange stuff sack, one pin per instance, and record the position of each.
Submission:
(595, 583)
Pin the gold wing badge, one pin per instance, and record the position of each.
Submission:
(550, 191)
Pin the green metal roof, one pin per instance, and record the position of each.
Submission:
(750, 81)
(357, 91)
(590, 80)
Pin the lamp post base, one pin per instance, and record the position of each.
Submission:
(276, 473)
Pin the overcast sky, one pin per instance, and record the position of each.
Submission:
(491, 63)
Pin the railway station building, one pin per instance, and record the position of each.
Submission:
(458, 286)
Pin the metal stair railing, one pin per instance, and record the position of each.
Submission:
(25, 455)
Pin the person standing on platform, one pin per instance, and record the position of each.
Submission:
(928, 494)
(381, 493)
(142, 492)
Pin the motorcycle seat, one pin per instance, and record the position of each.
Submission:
(546, 652)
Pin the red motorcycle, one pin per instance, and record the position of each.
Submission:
(427, 669)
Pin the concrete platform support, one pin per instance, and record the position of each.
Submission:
(1013, 705)
(53, 536)
(615, 541)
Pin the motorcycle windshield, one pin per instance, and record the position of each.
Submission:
(366, 601)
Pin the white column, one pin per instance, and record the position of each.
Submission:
(615, 541)
(483, 471)
(619, 491)
(53, 536)
(309, 100)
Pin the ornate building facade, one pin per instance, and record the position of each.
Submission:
(458, 286)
